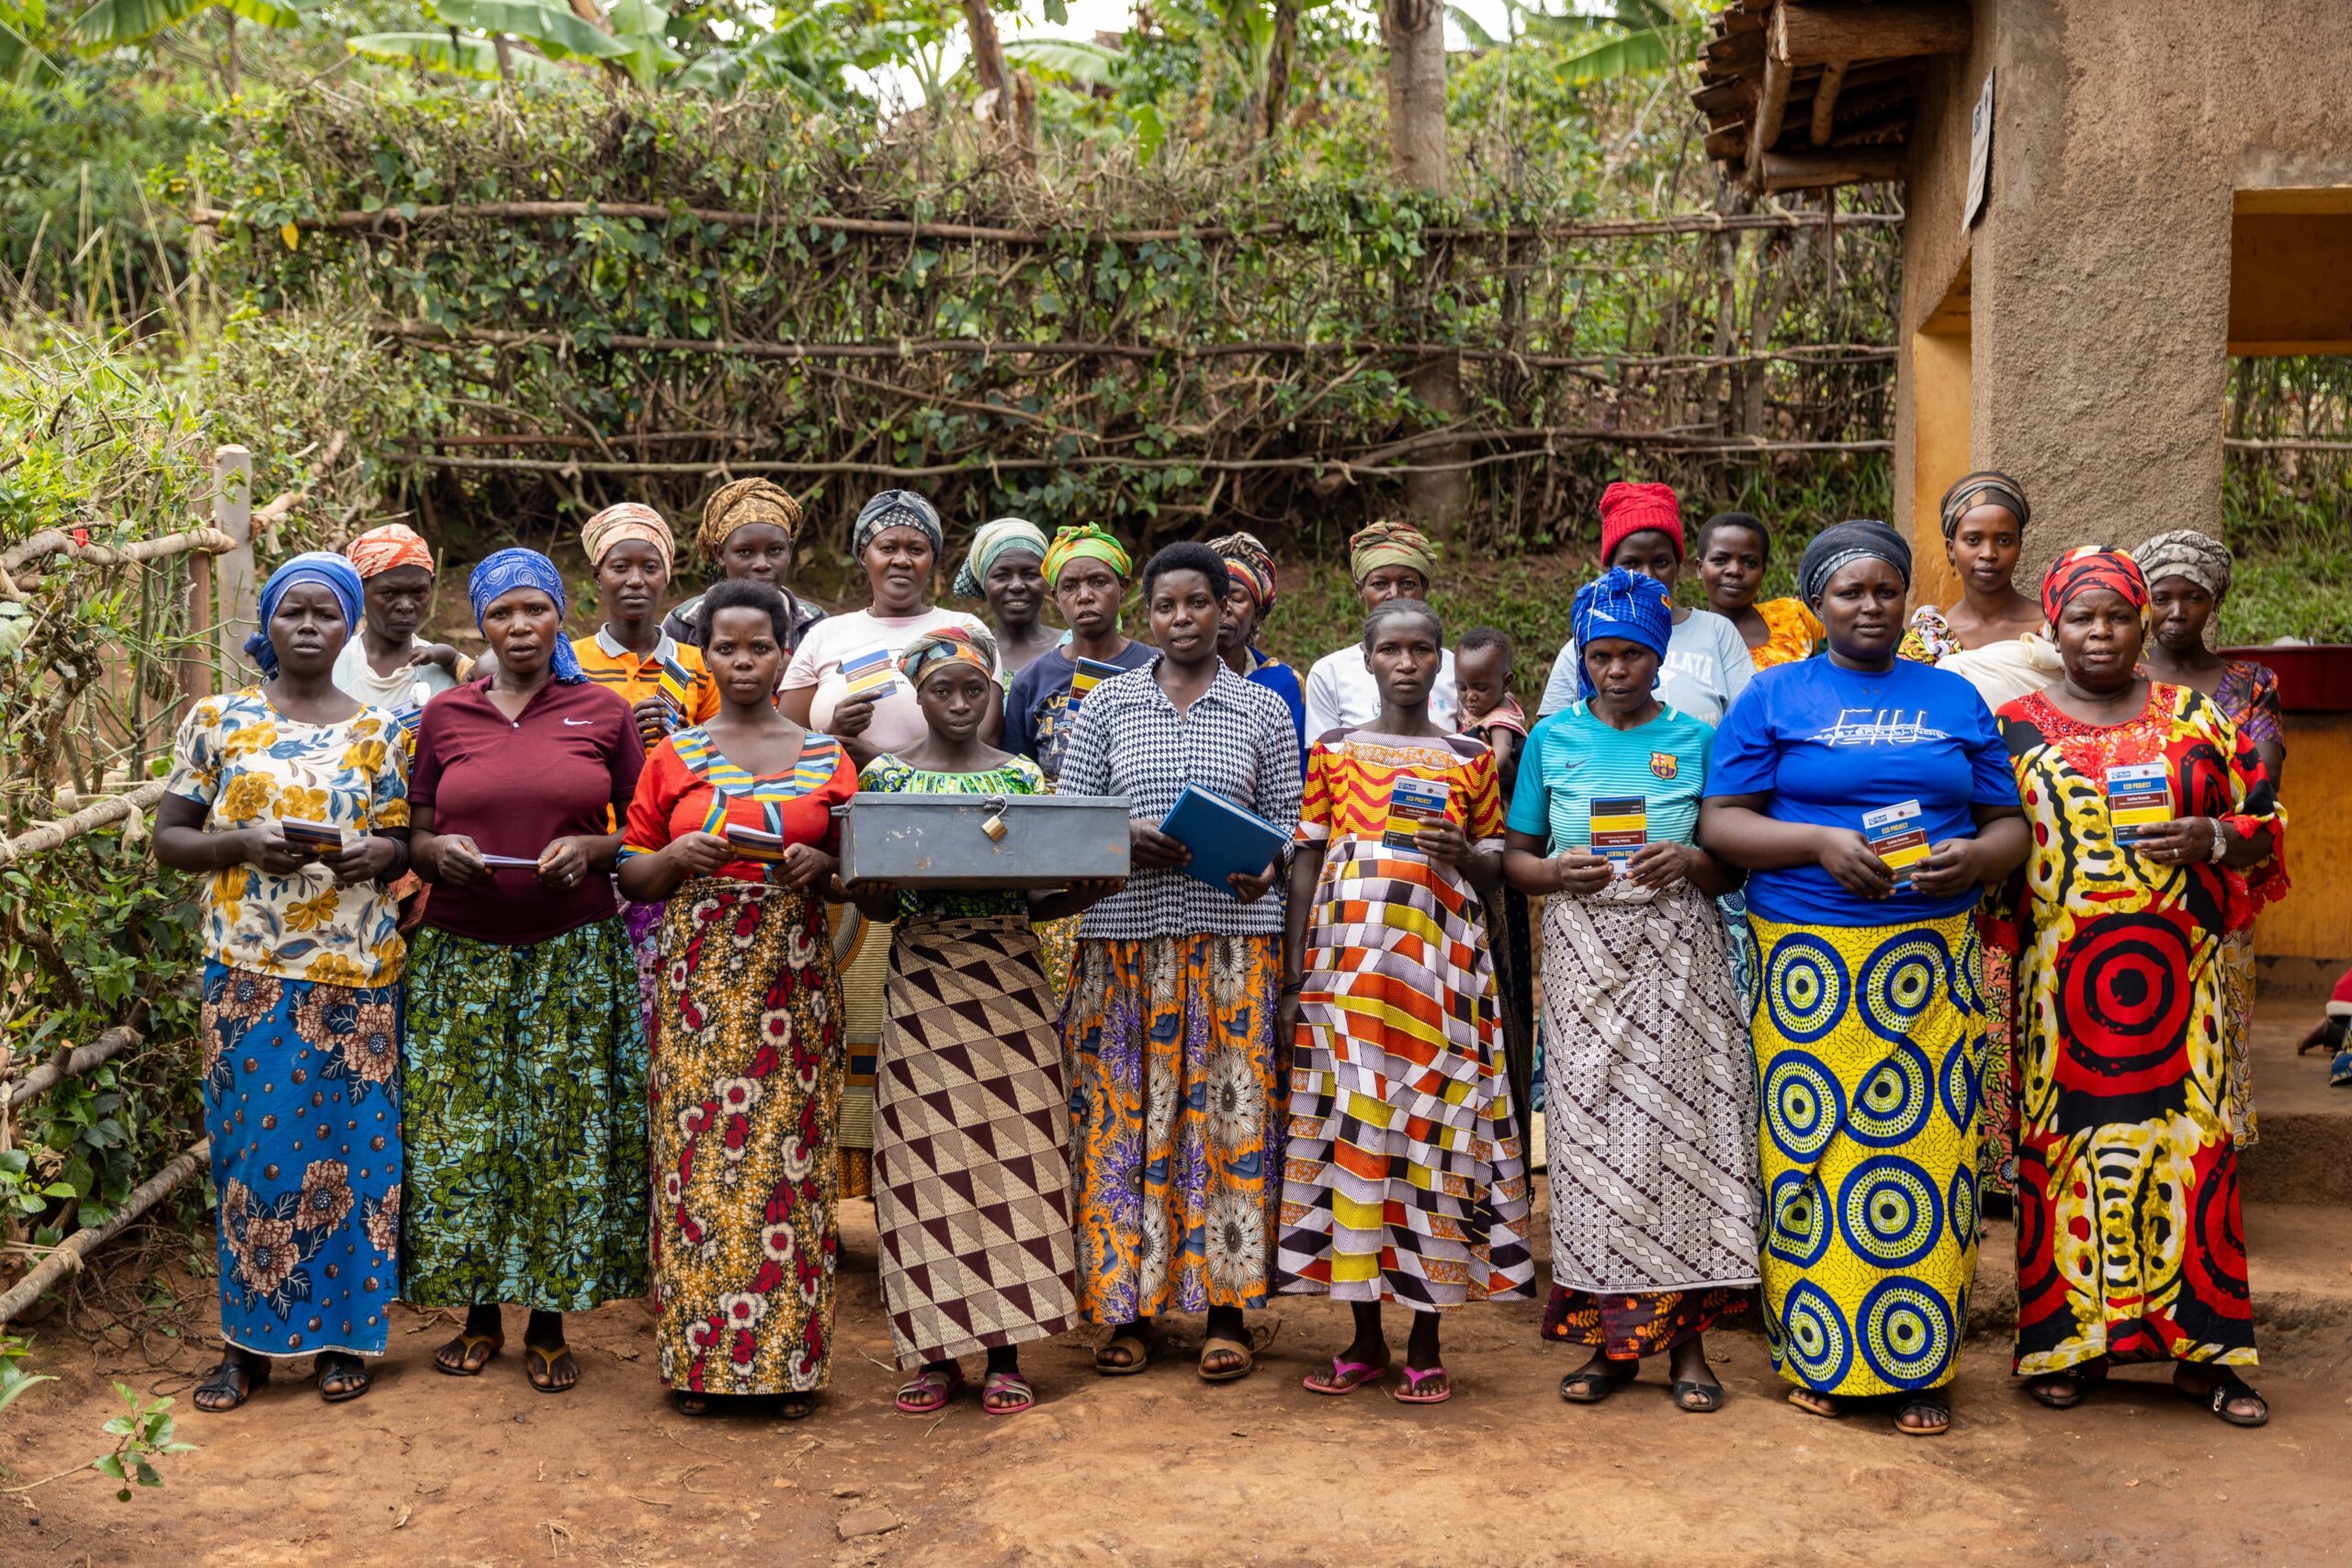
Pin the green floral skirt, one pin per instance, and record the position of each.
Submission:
(523, 1086)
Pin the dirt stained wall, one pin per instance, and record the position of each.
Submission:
(2098, 276)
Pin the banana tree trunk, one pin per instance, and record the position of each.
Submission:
(996, 80)
(1415, 31)
(1278, 64)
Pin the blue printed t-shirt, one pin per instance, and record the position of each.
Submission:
(1825, 744)
(1573, 758)
(1037, 719)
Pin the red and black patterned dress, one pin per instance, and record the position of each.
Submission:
(2129, 1241)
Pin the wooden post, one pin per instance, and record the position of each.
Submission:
(235, 592)
(1825, 101)
(1768, 111)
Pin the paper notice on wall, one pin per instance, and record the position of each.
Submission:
(1980, 155)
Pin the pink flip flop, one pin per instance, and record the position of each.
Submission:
(1346, 1377)
(1007, 1383)
(928, 1392)
(1404, 1392)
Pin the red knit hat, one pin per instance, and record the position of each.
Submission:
(1628, 509)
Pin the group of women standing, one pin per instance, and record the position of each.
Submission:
(628, 948)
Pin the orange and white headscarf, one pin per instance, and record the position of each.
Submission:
(627, 520)
(380, 550)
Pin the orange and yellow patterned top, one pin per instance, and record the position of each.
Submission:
(1352, 778)
(1795, 633)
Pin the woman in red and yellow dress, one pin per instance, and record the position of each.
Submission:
(1404, 1180)
(745, 1080)
(2129, 1242)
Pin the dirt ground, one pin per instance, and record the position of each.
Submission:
(1161, 1469)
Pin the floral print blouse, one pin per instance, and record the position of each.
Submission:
(252, 767)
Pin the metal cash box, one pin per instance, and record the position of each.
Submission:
(983, 840)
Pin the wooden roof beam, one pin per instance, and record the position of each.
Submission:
(1825, 101)
(1812, 170)
(1769, 107)
(1889, 29)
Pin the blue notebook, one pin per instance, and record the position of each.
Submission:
(1223, 838)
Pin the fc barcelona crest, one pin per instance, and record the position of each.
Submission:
(1665, 764)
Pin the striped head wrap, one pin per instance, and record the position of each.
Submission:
(739, 504)
(1252, 564)
(2079, 571)
(1390, 544)
(1091, 542)
(896, 509)
(2185, 552)
(1620, 603)
(1840, 545)
(949, 645)
(630, 520)
(311, 566)
(380, 550)
(1986, 487)
(502, 574)
(993, 540)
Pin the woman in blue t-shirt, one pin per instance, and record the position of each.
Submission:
(1871, 800)
(1649, 1106)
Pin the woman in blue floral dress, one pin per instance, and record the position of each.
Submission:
(301, 1019)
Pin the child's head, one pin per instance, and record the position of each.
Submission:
(1483, 660)
(1732, 551)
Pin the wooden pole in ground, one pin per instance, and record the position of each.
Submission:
(235, 592)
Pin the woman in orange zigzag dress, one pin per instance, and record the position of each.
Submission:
(1405, 1181)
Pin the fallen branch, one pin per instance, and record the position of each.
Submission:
(392, 221)
(105, 813)
(56, 541)
(2288, 444)
(72, 1252)
(72, 1064)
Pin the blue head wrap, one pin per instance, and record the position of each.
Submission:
(311, 566)
(506, 570)
(1620, 603)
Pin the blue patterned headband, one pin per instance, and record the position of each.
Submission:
(311, 566)
(505, 571)
(1630, 606)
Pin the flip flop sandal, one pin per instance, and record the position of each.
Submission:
(928, 1392)
(1007, 1383)
(1585, 1386)
(235, 1379)
(1409, 1391)
(689, 1403)
(1142, 1350)
(2057, 1390)
(1711, 1397)
(2226, 1388)
(1345, 1377)
(349, 1375)
(1231, 1374)
(1802, 1399)
(465, 1344)
(1924, 1406)
(547, 1355)
(796, 1407)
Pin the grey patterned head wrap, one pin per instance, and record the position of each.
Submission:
(1984, 487)
(896, 509)
(2185, 552)
(1842, 544)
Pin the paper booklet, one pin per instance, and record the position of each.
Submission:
(1413, 804)
(869, 673)
(1896, 837)
(1620, 827)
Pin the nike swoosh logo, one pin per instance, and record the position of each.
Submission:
(579, 721)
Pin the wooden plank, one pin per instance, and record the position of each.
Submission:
(1812, 171)
(235, 593)
(1889, 29)
(1825, 101)
(1768, 110)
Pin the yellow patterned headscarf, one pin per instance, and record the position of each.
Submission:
(739, 506)
(1390, 544)
(1090, 541)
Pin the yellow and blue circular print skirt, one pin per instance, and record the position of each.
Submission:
(1869, 1050)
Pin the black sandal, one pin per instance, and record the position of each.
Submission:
(1927, 1404)
(1587, 1386)
(2084, 1377)
(795, 1406)
(1711, 1397)
(233, 1379)
(2227, 1389)
(689, 1403)
(346, 1371)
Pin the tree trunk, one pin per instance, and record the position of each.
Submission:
(229, 58)
(1278, 60)
(988, 65)
(1415, 33)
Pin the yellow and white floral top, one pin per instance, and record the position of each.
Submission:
(253, 767)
